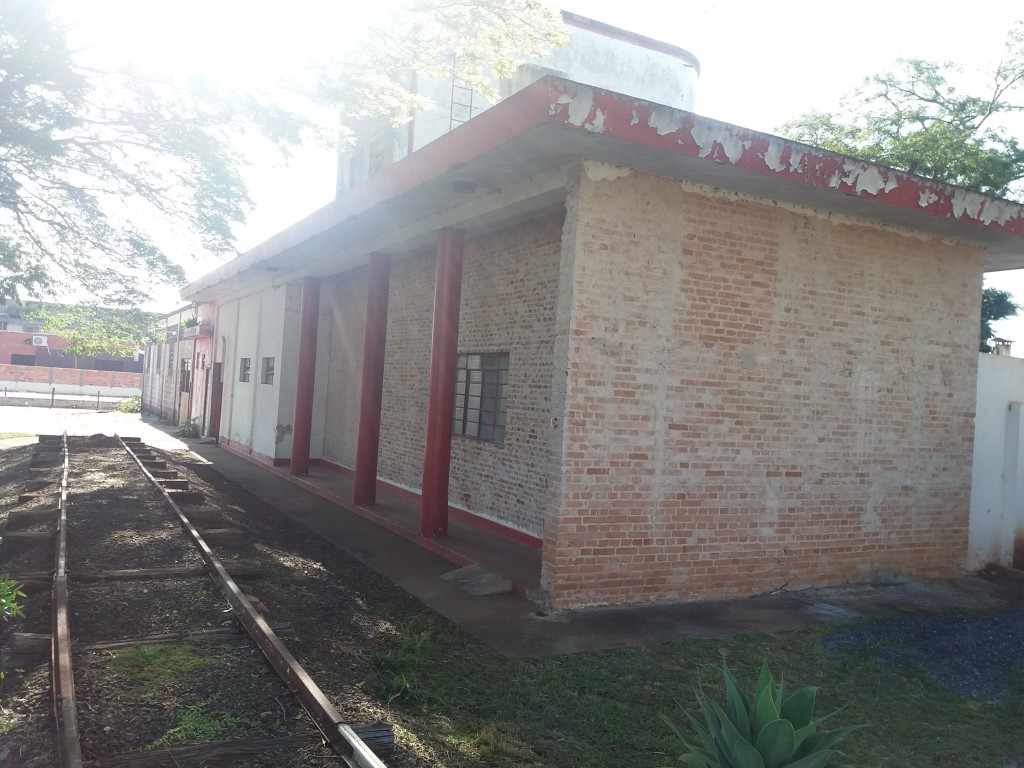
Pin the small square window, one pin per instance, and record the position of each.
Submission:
(267, 371)
(481, 382)
(243, 368)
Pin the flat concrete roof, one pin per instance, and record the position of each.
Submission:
(510, 163)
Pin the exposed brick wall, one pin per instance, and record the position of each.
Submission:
(75, 377)
(406, 369)
(509, 292)
(346, 300)
(509, 289)
(756, 396)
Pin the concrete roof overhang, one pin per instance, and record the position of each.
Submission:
(509, 163)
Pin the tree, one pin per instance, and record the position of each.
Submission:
(96, 161)
(995, 305)
(92, 331)
(914, 118)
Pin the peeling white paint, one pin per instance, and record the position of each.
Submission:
(864, 177)
(926, 198)
(603, 172)
(636, 118)
(705, 138)
(707, 135)
(580, 109)
(795, 156)
(734, 146)
(872, 179)
(597, 124)
(1000, 211)
(967, 202)
(773, 156)
(665, 121)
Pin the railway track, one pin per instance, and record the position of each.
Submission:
(133, 568)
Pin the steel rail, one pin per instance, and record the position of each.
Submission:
(63, 679)
(342, 738)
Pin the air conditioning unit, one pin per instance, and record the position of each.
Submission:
(39, 341)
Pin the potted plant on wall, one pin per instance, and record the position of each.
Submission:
(194, 326)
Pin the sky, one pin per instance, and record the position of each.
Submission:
(761, 63)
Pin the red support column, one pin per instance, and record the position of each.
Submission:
(302, 425)
(378, 276)
(441, 396)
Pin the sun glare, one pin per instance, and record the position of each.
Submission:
(223, 38)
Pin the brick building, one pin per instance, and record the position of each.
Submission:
(177, 379)
(687, 359)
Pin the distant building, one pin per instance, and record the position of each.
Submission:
(1000, 346)
(23, 341)
(179, 371)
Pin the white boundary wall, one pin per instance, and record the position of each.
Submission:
(997, 486)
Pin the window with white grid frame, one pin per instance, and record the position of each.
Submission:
(481, 381)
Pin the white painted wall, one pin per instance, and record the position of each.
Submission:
(12, 387)
(253, 327)
(997, 487)
(287, 367)
(617, 65)
(267, 397)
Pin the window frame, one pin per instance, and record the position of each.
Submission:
(185, 375)
(244, 369)
(267, 370)
(481, 380)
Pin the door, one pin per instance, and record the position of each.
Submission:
(216, 393)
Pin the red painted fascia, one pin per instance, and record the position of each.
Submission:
(553, 100)
(625, 118)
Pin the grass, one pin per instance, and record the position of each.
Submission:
(5, 435)
(197, 724)
(153, 669)
(600, 710)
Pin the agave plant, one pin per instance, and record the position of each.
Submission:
(775, 730)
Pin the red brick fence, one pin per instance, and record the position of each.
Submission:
(69, 381)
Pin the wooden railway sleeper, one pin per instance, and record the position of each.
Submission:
(343, 738)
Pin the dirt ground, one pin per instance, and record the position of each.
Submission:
(353, 628)
(320, 592)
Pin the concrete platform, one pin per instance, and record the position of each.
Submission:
(514, 626)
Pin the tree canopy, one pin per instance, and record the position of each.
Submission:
(99, 163)
(916, 118)
(995, 305)
(92, 331)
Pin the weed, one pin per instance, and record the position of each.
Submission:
(5, 435)
(131, 404)
(10, 591)
(197, 724)
(189, 428)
